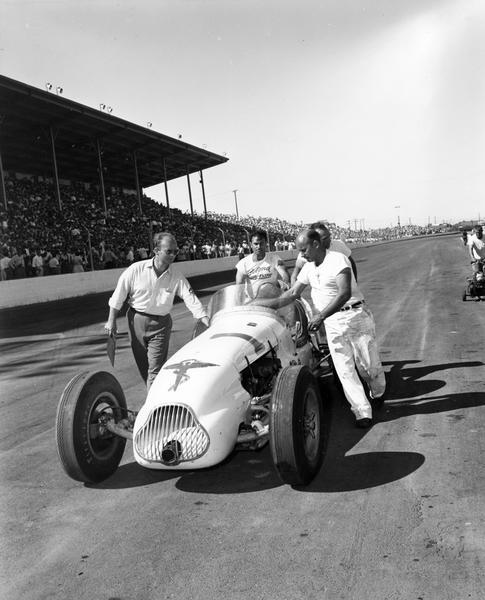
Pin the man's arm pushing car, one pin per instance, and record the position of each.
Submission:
(280, 267)
(296, 269)
(343, 281)
(240, 277)
(344, 293)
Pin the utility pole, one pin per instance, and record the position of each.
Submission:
(235, 202)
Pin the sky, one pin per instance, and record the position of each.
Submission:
(366, 111)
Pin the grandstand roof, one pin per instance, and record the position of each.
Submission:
(27, 113)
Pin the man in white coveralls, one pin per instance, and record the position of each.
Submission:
(330, 244)
(339, 304)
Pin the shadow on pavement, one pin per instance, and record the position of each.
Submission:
(241, 472)
(133, 475)
(343, 472)
(405, 381)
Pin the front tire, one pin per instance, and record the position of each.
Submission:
(296, 430)
(88, 451)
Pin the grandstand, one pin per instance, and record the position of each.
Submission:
(71, 186)
(49, 136)
(71, 191)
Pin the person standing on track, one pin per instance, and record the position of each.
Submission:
(259, 267)
(330, 244)
(476, 248)
(339, 305)
(150, 286)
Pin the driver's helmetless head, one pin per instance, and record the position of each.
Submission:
(259, 241)
(310, 245)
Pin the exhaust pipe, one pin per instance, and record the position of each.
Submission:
(171, 453)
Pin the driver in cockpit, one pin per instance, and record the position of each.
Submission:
(259, 267)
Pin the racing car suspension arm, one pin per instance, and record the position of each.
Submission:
(119, 430)
(258, 430)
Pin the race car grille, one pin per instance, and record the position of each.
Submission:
(171, 426)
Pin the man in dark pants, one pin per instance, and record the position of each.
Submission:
(150, 287)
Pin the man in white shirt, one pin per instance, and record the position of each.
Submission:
(476, 248)
(4, 264)
(339, 304)
(330, 244)
(259, 267)
(150, 287)
(38, 264)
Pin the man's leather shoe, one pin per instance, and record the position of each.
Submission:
(363, 423)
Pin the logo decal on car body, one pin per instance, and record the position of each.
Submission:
(180, 369)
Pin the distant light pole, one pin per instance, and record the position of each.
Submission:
(398, 219)
(223, 237)
(235, 201)
(90, 249)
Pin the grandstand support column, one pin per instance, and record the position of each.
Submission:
(56, 174)
(101, 177)
(2, 184)
(137, 182)
(223, 236)
(190, 193)
(203, 198)
(166, 185)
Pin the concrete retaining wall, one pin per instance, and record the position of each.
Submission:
(35, 290)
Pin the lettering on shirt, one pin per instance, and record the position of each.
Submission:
(260, 272)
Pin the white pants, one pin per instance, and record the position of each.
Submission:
(351, 337)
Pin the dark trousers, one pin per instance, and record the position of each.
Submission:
(149, 336)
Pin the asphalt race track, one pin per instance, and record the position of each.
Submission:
(397, 511)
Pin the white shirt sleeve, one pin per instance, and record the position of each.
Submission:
(241, 266)
(122, 290)
(340, 262)
(303, 274)
(185, 291)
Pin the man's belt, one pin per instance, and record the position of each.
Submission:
(138, 312)
(354, 305)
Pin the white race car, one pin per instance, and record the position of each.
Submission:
(250, 378)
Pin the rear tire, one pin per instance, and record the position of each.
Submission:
(297, 439)
(464, 296)
(88, 452)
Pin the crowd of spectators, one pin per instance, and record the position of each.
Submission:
(39, 238)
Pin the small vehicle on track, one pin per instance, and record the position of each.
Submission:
(250, 378)
(475, 286)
